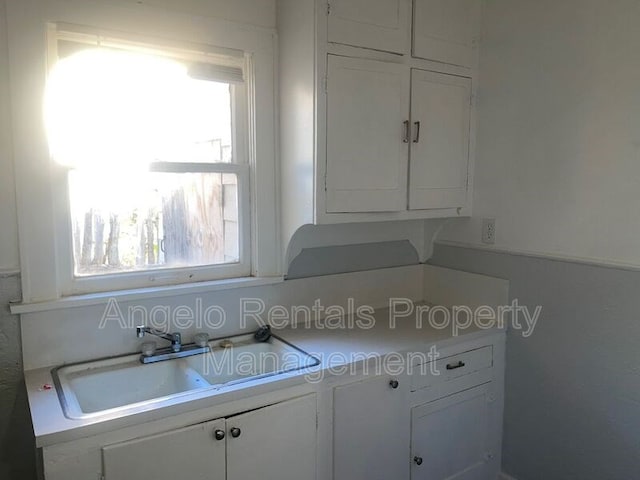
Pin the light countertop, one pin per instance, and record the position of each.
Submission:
(332, 346)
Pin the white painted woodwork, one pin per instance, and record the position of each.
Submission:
(441, 106)
(453, 437)
(39, 189)
(190, 452)
(447, 31)
(303, 36)
(380, 25)
(275, 443)
(450, 368)
(367, 103)
(371, 425)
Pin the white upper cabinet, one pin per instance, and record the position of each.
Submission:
(441, 114)
(447, 31)
(367, 152)
(347, 153)
(379, 25)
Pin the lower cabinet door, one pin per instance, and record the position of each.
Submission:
(451, 437)
(371, 424)
(194, 453)
(273, 443)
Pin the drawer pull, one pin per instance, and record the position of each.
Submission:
(394, 384)
(454, 366)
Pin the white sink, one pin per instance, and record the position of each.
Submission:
(247, 360)
(123, 385)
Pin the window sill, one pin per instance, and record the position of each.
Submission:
(102, 298)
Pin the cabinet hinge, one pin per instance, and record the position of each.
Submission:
(325, 84)
(328, 8)
(325, 182)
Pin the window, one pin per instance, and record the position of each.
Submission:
(241, 57)
(153, 145)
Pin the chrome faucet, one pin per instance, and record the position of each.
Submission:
(174, 338)
(176, 350)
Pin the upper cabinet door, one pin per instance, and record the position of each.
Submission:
(379, 25)
(193, 452)
(441, 113)
(447, 31)
(273, 443)
(367, 119)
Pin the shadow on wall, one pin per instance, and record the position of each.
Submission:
(312, 262)
(17, 448)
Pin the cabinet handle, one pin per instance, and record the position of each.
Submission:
(407, 133)
(218, 434)
(453, 366)
(235, 432)
(394, 384)
(417, 460)
(416, 139)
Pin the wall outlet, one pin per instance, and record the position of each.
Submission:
(489, 231)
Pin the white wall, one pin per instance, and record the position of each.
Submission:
(254, 12)
(558, 163)
(8, 224)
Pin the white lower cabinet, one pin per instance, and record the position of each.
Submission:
(371, 430)
(451, 437)
(276, 443)
(272, 443)
(167, 456)
(440, 423)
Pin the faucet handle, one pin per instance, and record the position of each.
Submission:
(148, 349)
(201, 339)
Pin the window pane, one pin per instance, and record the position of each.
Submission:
(128, 222)
(107, 107)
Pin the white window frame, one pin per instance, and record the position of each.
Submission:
(72, 284)
(42, 197)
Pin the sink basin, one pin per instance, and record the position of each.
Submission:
(247, 359)
(123, 385)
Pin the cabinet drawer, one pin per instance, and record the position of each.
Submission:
(450, 368)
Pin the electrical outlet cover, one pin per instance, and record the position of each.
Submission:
(489, 231)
